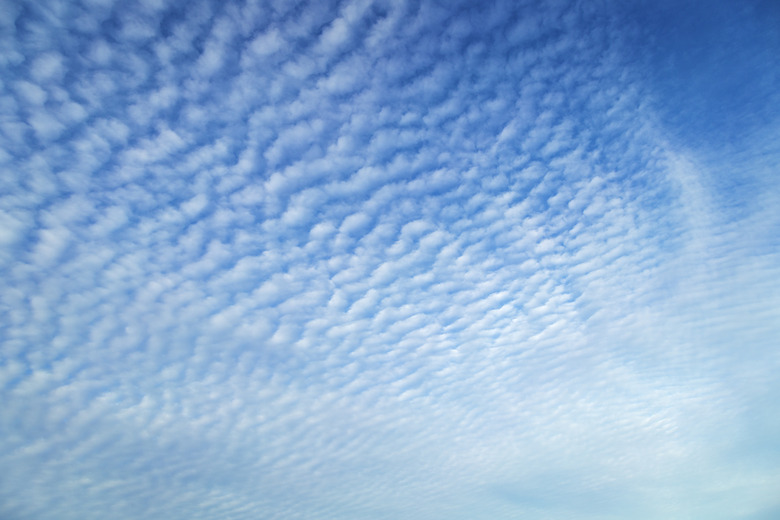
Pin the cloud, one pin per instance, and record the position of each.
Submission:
(370, 259)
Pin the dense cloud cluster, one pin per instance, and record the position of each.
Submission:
(369, 259)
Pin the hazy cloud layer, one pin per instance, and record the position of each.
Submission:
(376, 259)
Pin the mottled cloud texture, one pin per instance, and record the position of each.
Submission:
(387, 260)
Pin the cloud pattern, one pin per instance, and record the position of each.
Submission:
(372, 259)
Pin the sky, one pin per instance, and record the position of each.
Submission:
(389, 259)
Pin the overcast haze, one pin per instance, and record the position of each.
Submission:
(389, 260)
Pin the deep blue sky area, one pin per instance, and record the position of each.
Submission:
(713, 65)
(711, 70)
(389, 259)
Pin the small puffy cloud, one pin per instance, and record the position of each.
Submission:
(48, 67)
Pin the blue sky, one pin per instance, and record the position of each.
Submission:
(389, 259)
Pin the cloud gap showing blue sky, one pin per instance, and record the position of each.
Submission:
(389, 259)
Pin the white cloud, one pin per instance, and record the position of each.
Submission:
(47, 67)
(368, 260)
